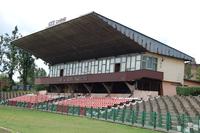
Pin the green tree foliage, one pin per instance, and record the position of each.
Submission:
(40, 72)
(14, 59)
(198, 74)
(188, 73)
(26, 67)
(4, 82)
(9, 61)
(1, 51)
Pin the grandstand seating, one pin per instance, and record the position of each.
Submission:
(94, 102)
(32, 98)
(176, 105)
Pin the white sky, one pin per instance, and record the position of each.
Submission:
(174, 22)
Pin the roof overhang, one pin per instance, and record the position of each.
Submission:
(91, 36)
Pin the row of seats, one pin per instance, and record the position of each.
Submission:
(94, 102)
(32, 98)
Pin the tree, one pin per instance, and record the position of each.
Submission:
(1, 51)
(188, 73)
(40, 72)
(4, 82)
(26, 67)
(9, 61)
(198, 74)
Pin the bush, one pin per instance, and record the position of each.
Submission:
(186, 91)
(39, 87)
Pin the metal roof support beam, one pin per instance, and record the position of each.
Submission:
(89, 88)
(131, 87)
(71, 88)
(108, 87)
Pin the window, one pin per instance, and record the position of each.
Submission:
(100, 67)
(128, 63)
(149, 63)
(138, 62)
(96, 67)
(133, 63)
(123, 67)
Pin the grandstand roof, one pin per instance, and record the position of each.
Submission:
(91, 36)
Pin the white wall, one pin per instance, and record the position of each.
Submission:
(172, 68)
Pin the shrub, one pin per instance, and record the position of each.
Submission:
(39, 87)
(186, 91)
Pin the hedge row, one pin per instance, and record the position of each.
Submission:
(186, 91)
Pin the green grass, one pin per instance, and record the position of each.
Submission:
(30, 121)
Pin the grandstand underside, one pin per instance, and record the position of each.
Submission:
(130, 88)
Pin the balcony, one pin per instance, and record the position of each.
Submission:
(106, 77)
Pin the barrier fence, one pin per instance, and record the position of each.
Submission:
(152, 120)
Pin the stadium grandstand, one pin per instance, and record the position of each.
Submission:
(93, 54)
(103, 69)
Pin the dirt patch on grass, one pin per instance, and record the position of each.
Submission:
(4, 130)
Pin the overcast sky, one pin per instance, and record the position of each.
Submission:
(174, 22)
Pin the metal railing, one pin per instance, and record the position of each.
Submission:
(152, 120)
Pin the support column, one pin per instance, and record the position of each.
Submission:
(89, 88)
(108, 87)
(131, 88)
(71, 89)
(57, 88)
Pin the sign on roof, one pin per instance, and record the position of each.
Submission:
(56, 22)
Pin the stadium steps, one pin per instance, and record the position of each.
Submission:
(195, 102)
(192, 111)
(181, 106)
(13, 94)
(163, 105)
(175, 120)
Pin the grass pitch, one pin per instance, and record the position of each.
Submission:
(30, 121)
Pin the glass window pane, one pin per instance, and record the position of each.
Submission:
(112, 60)
(143, 64)
(92, 69)
(100, 66)
(83, 68)
(133, 62)
(104, 61)
(138, 57)
(86, 67)
(149, 63)
(128, 63)
(112, 68)
(108, 65)
(123, 67)
(89, 67)
(103, 68)
(118, 60)
(137, 65)
(123, 59)
(95, 69)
